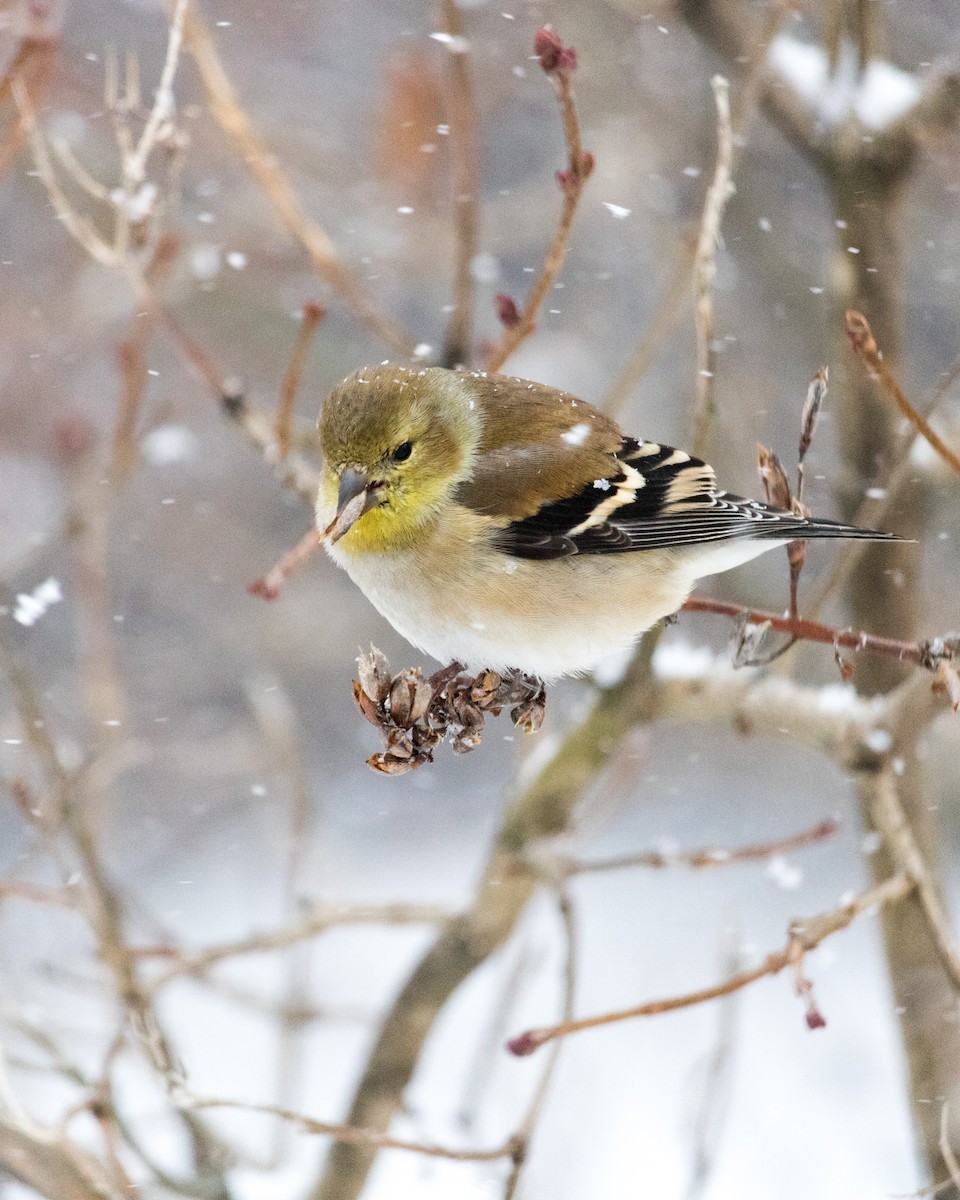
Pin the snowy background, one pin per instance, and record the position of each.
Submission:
(199, 819)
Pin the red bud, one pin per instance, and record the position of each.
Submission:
(507, 311)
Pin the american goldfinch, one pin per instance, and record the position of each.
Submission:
(508, 525)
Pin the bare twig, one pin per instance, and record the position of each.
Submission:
(927, 653)
(946, 1149)
(314, 921)
(524, 1134)
(263, 166)
(292, 472)
(32, 66)
(462, 120)
(352, 1134)
(134, 165)
(803, 936)
(705, 263)
(269, 585)
(709, 856)
(866, 349)
(890, 819)
(133, 360)
(35, 893)
(313, 314)
(678, 291)
(559, 63)
(667, 314)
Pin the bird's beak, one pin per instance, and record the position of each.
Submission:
(357, 495)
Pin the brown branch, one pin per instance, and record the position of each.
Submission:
(866, 349)
(667, 313)
(462, 120)
(953, 1166)
(32, 65)
(313, 314)
(35, 893)
(928, 653)
(678, 290)
(133, 360)
(559, 63)
(352, 1134)
(804, 935)
(522, 1138)
(293, 473)
(705, 264)
(709, 856)
(234, 121)
(313, 922)
(891, 822)
(53, 1166)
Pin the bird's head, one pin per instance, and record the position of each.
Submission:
(395, 442)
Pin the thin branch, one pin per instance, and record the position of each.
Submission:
(32, 66)
(559, 63)
(866, 349)
(315, 921)
(462, 120)
(878, 502)
(928, 653)
(312, 315)
(234, 121)
(133, 360)
(709, 856)
(666, 315)
(524, 1134)
(134, 164)
(269, 585)
(292, 472)
(946, 1149)
(705, 264)
(35, 893)
(351, 1133)
(803, 937)
(79, 227)
(678, 290)
(891, 821)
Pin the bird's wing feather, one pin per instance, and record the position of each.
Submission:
(654, 497)
(519, 468)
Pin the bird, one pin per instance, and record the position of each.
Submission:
(510, 526)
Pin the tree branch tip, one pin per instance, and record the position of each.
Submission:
(555, 58)
(815, 1019)
(528, 1042)
(507, 312)
(264, 588)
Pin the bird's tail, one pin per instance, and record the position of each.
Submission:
(797, 528)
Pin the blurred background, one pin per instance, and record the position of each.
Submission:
(225, 777)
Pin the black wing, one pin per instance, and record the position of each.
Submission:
(661, 498)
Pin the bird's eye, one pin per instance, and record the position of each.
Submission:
(402, 452)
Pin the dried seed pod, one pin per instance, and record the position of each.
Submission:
(422, 694)
(401, 698)
(367, 706)
(816, 394)
(528, 716)
(386, 764)
(485, 687)
(466, 740)
(774, 478)
(399, 743)
(374, 671)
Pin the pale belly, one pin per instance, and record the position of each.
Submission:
(546, 618)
